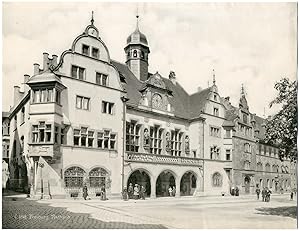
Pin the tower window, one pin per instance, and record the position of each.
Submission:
(85, 49)
(135, 53)
(95, 52)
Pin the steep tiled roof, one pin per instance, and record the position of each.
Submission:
(179, 99)
(259, 126)
(197, 102)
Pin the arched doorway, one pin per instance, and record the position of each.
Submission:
(73, 178)
(247, 184)
(188, 184)
(141, 178)
(165, 180)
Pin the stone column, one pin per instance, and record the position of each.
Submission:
(177, 182)
(153, 187)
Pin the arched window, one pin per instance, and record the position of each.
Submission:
(97, 177)
(135, 53)
(73, 177)
(217, 180)
(259, 166)
(268, 167)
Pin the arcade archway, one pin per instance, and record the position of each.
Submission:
(165, 180)
(141, 178)
(188, 184)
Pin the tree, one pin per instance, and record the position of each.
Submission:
(282, 128)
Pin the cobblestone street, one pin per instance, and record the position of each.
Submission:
(185, 212)
(21, 213)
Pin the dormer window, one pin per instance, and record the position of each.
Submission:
(85, 49)
(95, 52)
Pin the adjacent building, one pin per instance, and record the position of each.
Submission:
(85, 119)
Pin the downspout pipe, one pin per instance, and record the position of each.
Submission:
(124, 100)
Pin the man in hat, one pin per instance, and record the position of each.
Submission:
(85, 192)
(130, 191)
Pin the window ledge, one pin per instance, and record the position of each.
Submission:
(91, 148)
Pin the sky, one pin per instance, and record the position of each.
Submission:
(254, 44)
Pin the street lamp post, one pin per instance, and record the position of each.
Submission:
(124, 100)
(41, 165)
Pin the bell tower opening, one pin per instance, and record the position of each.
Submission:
(137, 51)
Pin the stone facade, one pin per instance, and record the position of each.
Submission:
(88, 120)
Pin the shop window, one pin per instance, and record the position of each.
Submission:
(217, 180)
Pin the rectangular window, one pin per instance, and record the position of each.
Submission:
(56, 131)
(77, 72)
(100, 138)
(156, 140)
(62, 136)
(83, 133)
(90, 139)
(95, 52)
(176, 143)
(41, 133)
(216, 111)
(107, 108)
(85, 49)
(214, 153)
(57, 97)
(101, 79)
(228, 157)
(215, 131)
(82, 102)
(76, 137)
(132, 136)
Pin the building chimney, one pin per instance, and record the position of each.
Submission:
(45, 61)
(36, 69)
(17, 94)
(54, 60)
(172, 77)
(26, 87)
(199, 89)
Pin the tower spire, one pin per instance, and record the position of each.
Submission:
(92, 20)
(137, 18)
(242, 90)
(214, 77)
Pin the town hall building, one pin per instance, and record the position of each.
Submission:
(86, 119)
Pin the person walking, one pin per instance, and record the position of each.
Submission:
(103, 193)
(136, 192)
(263, 194)
(257, 192)
(125, 194)
(85, 192)
(268, 195)
(170, 191)
(130, 191)
(173, 191)
(142, 192)
(292, 195)
(237, 191)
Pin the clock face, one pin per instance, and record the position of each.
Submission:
(157, 101)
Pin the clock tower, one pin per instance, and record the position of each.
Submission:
(137, 51)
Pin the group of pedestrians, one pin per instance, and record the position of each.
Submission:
(102, 193)
(265, 193)
(172, 191)
(136, 192)
(235, 191)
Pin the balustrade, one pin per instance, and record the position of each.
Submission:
(162, 159)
